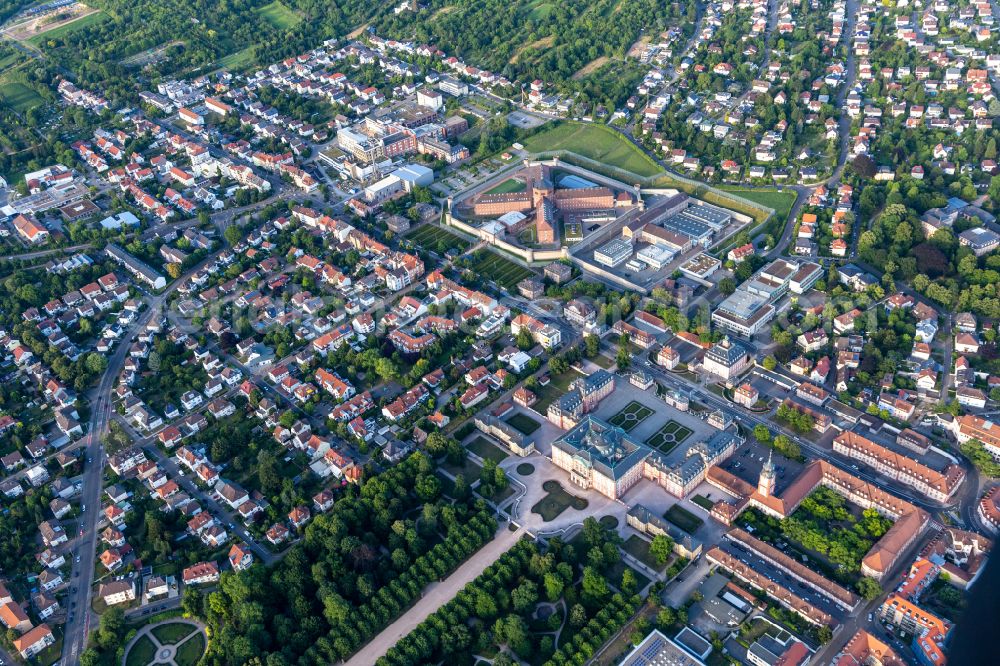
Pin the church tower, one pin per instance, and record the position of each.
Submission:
(765, 486)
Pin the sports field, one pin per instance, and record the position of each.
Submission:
(596, 142)
(501, 270)
(279, 15)
(66, 28)
(507, 186)
(431, 236)
(238, 60)
(631, 415)
(19, 97)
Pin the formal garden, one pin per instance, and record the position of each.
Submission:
(669, 436)
(556, 501)
(170, 643)
(552, 606)
(630, 416)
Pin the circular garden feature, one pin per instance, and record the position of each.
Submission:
(525, 469)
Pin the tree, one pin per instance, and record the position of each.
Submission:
(727, 286)
(869, 588)
(770, 363)
(624, 357)
(824, 634)
(661, 548)
(233, 234)
(666, 618)
(174, 270)
(595, 586)
(577, 616)
(592, 344)
(761, 433)
(524, 340)
(553, 586)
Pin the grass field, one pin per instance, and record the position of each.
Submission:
(524, 423)
(172, 632)
(638, 548)
(703, 502)
(556, 501)
(430, 237)
(507, 186)
(63, 30)
(630, 416)
(501, 270)
(19, 97)
(486, 450)
(596, 142)
(238, 60)
(781, 202)
(190, 651)
(669, 436)
(683, 518)
(142, 653)
(279, 15)
(557, 385)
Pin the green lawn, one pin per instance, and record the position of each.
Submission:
(619, 568)
(469, 468)
(172, 632)
(524, 423)
(781, 202)
(638, 548)
(558, 384)
(703, 502)
(596, 142)
(65, 29)
(19, 97)
(683, 518)
(279, 15)
(487, 450)
(556, 501)
(501, 270)
(507, 186)
(142, 653)
(190, 651)
(630, 416)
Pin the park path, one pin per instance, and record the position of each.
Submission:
(435, 596)
(165, 652)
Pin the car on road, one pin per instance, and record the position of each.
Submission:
(869, 617)
(77, 559)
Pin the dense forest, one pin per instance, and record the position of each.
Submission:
(547, 40)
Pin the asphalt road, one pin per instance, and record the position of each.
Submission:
(79, 621)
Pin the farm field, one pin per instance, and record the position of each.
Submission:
(597, 143)
(501, 270)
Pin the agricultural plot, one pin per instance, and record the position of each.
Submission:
(501, 270)
(631, 415)
(669, 436)
(61, 29)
